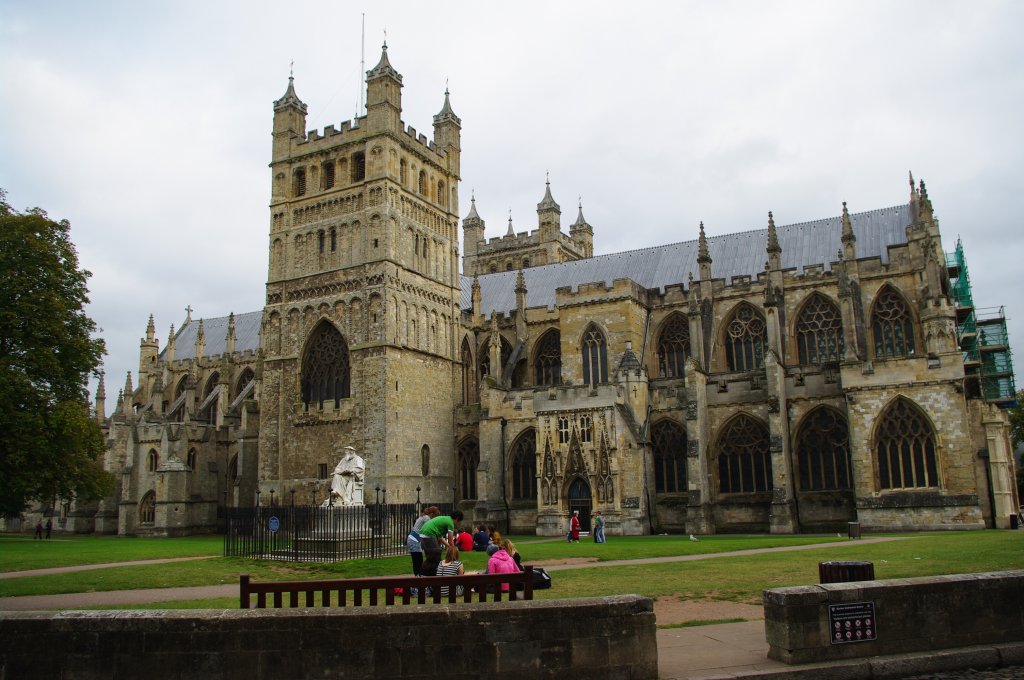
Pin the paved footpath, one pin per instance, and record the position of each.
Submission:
(730, 650)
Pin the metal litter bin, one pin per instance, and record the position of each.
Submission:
(853, 529)
(1014, 521)
(845, 572)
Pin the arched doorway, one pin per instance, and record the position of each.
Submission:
(580, 499)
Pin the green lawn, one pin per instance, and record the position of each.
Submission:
(736, 578)
(20, 551)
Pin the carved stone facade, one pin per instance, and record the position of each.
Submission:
(791, 379)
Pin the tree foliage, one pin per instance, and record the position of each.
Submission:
(50, 447)
(1017, 421)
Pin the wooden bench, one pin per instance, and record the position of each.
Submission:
(361, 592)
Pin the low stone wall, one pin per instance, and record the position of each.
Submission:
(608, 637)
(909, 615)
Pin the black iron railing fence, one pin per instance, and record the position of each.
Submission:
(316, 534)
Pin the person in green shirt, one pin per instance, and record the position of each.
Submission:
(435, 533)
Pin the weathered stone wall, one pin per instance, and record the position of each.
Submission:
(610, 637)
(914, 614)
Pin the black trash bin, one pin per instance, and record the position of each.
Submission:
(845, 572)
(853, 529)
(1014, 521)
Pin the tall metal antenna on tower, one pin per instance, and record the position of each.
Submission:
(362, 63)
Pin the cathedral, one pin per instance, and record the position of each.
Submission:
(791, 378)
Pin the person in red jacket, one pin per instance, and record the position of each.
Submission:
(464, 541)
(574, 527)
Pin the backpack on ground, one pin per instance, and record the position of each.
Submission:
(541, 580)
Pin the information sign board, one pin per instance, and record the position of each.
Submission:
(852, 622)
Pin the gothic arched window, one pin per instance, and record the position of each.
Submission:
(243, 381)
(469, 461)
(669, 443)
(300, 182)
(485, 357)
(421, 183)
(325, 368)
(819, 332)
(906, 448)
(524, 466)
(402, 171)
(192, 459)
(595, 357)
(744, 458)
(673, 346)
(425, 460)
(892, 326)
(548, 361)
(745, 339)
(358, 166)
(823, 452)
(328, 176)
(147, 508)
(154, 460)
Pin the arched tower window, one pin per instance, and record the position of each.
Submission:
(745, 336)
(906, 448)
(441, 193)
(673, 346)
(469, 461)
(744, 458)
(425, 460)
(192, 459)
(524, 466)
(819, 332)
(328, 174)
(147, 508)
(595, 357)
(421, 183)
(300, 182)
(358, 166)
(153, 461)
(669, 444)
(334, 239)
(325, 368)
(823, 452)
(321, 241)
(548, 362)
(892, 326)
(402, 172)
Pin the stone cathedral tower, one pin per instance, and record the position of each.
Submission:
(362, 298)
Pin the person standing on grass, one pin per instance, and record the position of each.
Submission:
(598, 527)
(439, 532)
(39, 530)
(412, 542)
(574, 527)
(49, 527)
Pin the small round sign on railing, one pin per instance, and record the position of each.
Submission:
(274, 524)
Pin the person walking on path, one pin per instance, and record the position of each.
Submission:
(574, 527)
(39, 530)
(598, 527)
(49, 527)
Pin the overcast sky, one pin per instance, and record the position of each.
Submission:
(147, 125)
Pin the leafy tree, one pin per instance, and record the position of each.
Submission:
(50, 447)
(1017, 421)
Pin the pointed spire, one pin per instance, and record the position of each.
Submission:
(101, 388)
(926, 203)
(150, 329)
(580, 221)
(229, 340)
(290, 99)
(200, 341)
(773, 236)
(548, 203)
(128, 389)
(848, 235)
(446, 114)
(511, 231)
(170, 337)
(383, 67)
(473, 214)
(231, 325)
(702, 247)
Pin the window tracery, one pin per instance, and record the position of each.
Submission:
(823, 452)
(325, 368)
(469, 461)
(745, 339)
(673, 347)
(548, 364)
(668, 440)
(524, 466)
(819, 332)
(595, 357)
(744, 458)
(906, 448)
(892, 325)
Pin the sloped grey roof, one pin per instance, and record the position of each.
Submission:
(215, 330)
(743, 253)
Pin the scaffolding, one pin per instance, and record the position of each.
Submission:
(984, 342)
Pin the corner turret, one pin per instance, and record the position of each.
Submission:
(384, 95)
(582, 233)
(448, 136)
(101, 400)
(703, 256)
(149, 347)
(549, 215)
(472, 235)
(289, 121)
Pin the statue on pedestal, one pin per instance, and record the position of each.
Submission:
(347, 480)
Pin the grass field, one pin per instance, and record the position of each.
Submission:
(735, 578)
